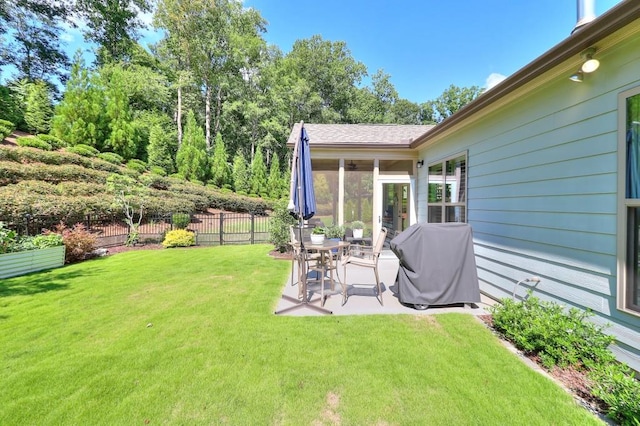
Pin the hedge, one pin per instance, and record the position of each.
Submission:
(33, 142)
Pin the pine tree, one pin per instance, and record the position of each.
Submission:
(38, 108)
(274, 183)
(161, 146)
(80, 118)
(192, 156)
(122, 135)
(258, 174)
(220, 164)
(241, 182)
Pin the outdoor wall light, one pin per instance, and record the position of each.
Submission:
(420, 163)
(577, 76)
(590, 64)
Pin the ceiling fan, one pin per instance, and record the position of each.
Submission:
(352, 166)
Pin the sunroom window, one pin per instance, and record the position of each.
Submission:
(447, 183)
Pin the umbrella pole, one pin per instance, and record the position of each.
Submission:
(302, 264)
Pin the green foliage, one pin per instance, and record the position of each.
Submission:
(180, 220)
(279, 224)
(78, 241)
(451, 100)
(357, 224)
(162, 148)
(84, 150)
(559, 337)
(38, 108)
(137, 165)
(274, 182)
(130, 196)
(241, 181)
(10, 108)
(192, 157)
(319, 230)
(616, 386)
(219, 164)
(334, 231)
(4, 132)
(8, 124)
(8, 239)
(111, 157)
(567, 338)
(33, 142)
(122, 137)
(157, 170)
(50, 239)
(56, 143)
(179, 238)
(258, 175)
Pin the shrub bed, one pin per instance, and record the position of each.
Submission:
(567, 339)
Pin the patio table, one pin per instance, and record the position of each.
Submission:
(323, 264)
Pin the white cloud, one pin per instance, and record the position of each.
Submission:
(493, 79)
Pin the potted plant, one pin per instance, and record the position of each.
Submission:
(334, 232)
(358, 228)
(317, 235)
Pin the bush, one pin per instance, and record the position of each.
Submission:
(180, 220)
(8, 239)
(33, 142)
(50, 239)
(179, 238)
(559, 337)
(56, 143)
(280, 222)
(111, 157)
(137, 165)
(616, 386)
(4, 132)
(157, 170)
(8, 124)
(79, 243)
(83, 150)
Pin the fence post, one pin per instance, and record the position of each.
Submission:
(27, 224)
(221, 228)
(253, 222)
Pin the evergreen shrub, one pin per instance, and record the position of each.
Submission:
(180, 220)
(8, 124)
(56, 143)
(280, 222)
(179, 238)
(33, 142)
(111, 157)
(4, 132)
(83, 150)
(157, 170)
(137, 165)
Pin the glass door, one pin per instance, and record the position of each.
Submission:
(395, 207)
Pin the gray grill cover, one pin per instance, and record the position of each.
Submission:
(437, 264)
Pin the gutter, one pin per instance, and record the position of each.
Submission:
(618, 17)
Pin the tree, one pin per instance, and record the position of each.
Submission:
(122, 133)
(274, 182)
(162, 148)
(34, 48)
(453, 99)
(220, 164)
(241, 182)
(331, 72)
(80, 117)
(38, 108)
(258, 174)
(192, 157)
(113, 26)
(131, 197)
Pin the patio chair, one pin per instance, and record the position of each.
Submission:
(366, 257)
(299, 255)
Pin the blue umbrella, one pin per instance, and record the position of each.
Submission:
(302, 197)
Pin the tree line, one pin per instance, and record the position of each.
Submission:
(211, 101)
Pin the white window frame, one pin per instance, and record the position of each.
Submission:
(444, 204)
(623, 294)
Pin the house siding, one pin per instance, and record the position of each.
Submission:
(542, 192)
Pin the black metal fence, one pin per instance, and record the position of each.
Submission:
(111, 230)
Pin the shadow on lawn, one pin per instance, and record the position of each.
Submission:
(40, 282)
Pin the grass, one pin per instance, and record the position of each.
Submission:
(188, 336)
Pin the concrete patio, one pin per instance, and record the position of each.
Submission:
(362, 300)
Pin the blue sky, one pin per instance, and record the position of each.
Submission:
(427, 45)
(424, 45)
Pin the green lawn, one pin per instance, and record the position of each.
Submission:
(188, 336)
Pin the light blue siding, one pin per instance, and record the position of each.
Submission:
(542, 192)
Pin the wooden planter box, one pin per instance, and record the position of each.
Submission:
(24, 262)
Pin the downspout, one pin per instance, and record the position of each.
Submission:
(586, 13)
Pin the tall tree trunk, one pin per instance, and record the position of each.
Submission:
(218, 109)
(179, 115)
(207, 117)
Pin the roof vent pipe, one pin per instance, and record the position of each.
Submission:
(586, 13)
